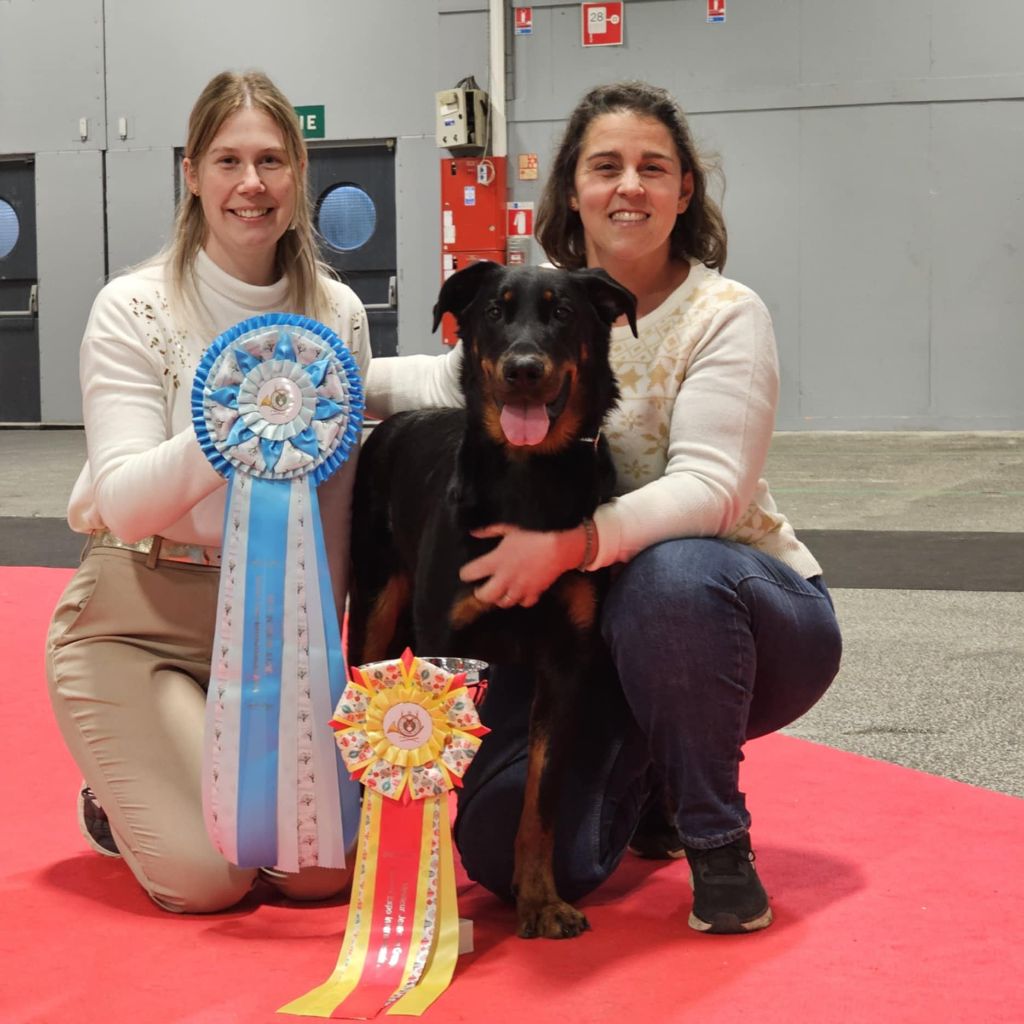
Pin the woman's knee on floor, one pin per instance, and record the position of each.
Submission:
(311, 884)
(199, 887)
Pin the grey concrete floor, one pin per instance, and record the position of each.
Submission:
(931, 678)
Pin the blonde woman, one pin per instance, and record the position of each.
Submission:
(128, 651)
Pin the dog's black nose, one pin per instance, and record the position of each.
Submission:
(523, 369)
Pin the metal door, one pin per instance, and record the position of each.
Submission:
(19, 321)
(353, 189)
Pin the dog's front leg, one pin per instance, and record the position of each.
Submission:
(541, 912)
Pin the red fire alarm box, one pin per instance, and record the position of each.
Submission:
(473, 217)
(472, 203)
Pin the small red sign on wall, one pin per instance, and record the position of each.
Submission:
(716, 10)
(520, 220)
(524, 21)
(602, 24)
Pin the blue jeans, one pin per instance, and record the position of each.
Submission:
(714, 643)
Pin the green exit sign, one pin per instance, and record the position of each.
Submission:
(311, 121)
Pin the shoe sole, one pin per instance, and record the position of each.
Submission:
(730, 924)
(88, 837)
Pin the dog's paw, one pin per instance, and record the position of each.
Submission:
(555, 920)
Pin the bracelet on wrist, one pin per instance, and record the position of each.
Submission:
(590, 546)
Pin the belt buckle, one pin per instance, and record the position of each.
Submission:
(191, 554)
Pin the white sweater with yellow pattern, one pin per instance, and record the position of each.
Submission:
(690, 435)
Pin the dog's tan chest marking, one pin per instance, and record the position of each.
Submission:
(579, 597)
(382, 622)
(467, 610)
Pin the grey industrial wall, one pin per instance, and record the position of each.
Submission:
(872, 155)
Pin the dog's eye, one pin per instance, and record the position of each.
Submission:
(493, 311)
(562, 313)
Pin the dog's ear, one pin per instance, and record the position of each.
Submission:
(609, 298)
(461, 289)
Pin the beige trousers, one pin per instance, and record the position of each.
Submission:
(128, 663)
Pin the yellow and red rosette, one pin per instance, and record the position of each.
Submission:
(408, 730)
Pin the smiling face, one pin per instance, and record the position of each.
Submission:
(247, 189)
(629, 187)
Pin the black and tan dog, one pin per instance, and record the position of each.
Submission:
(527, 450)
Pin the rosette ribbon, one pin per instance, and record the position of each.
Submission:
(277, 406)
(408, 731)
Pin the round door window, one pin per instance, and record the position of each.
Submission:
(8, 228)
(347, 217)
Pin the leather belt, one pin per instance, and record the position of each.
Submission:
(157, 549)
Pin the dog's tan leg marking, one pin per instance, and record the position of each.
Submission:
(579, 597)
(382, 620)
(541, 913)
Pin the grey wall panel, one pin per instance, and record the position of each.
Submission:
(461, 6)
(972, 40)
(140, 204)
(842, 42)
(666, 41)
(418, 198)
(864, 266)
(372, 63)
(758, 155)
(462, 50)
(977, 311)
(69, 219)
(51, 75)
(778, 54)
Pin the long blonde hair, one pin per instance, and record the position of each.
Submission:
(297, 250)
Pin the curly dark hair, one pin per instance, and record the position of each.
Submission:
(699, 231)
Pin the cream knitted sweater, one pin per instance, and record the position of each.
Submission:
(145, 472)
(691, 432)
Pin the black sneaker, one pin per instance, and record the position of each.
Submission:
(95, 825)
(728, 897)
(656, 836)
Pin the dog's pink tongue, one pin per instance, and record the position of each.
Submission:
(524, 424)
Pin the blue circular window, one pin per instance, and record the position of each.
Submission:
(347, 218)
(9, 228)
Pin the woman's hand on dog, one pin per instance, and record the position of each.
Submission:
(523, 564)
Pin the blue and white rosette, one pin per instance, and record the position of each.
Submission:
(277, 405)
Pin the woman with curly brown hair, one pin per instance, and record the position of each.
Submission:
(719, 623)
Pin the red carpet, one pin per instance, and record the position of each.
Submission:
(898, 900)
